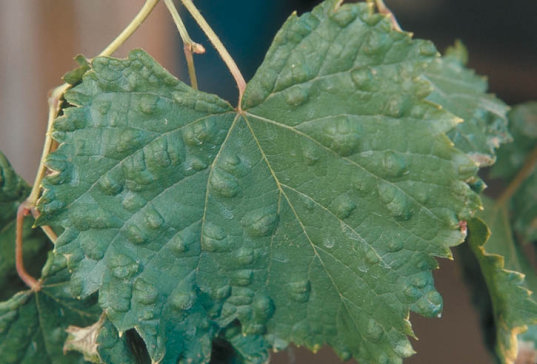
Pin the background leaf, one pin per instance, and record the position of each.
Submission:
(498, 288)
(13, 190)
(460, 91)
(511, 158)
(32, 324)
(503, 268)
(311, 216)
(501, 263)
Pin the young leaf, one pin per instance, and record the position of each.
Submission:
(514, 309)
(32, 324)
(460, 91)
(311, 215)
(75, 76)
(511, 159)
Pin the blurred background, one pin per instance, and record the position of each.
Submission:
(39, 38)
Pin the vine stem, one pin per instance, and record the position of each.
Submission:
(57, 94)
(527, 168)
(219, 46)
(54, 108)
(190, 46)
(142, 15)
(29, 205)
(35, 285)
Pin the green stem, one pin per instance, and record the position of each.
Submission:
(191, 69)
(219, 46)
(130, 29)
(523, 173)
(35, 285)
(190, 46)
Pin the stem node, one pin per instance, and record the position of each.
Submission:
(195, 48)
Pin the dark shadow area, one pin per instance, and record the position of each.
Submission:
(500, 37)
(223, 353)
(137, 346)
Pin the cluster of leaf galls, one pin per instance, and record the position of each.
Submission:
(310, 215)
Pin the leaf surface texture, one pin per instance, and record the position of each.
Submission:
(460, 91)
(312, 215)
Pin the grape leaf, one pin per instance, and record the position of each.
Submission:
(513, 306)
(511, 158)
(32, 324)
(463, 93)
(527, 341)
(13, 190)
(75, 76)
(311, 215)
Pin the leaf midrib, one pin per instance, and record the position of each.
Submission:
(343, 299)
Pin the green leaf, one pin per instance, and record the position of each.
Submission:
(501, 263)
(313, 215)
(75, 76)
(32, 324)
(460, 91)
(128, 348)
(527, 341)
(523, 128)
(13, 190)
(511, 158)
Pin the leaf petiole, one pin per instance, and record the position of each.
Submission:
(219, 46)
(35, 285)
(190, 46)
(527, 168)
